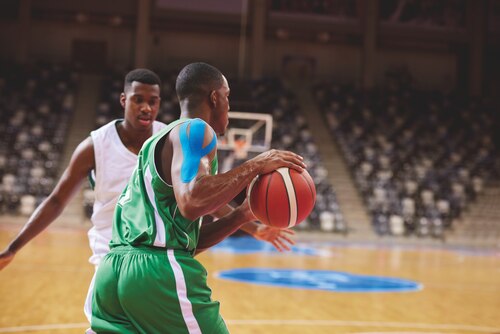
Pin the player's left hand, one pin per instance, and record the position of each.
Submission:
(6, 257)
(279, 238)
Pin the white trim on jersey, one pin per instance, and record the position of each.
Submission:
(160, 238)
(87, 308)
(185, 304)
(285, 173)
(114, 163)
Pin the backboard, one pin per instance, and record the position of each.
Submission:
(246, 134)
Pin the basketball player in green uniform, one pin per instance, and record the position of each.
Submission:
(110, 153)
(150, 281)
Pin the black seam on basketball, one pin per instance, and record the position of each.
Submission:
(308, 185)
(288, 197)
(267, 192)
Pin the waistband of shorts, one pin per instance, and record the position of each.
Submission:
(146, 249)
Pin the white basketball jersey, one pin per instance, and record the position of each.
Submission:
(114, 164)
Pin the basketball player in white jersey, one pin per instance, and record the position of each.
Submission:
(110, 154)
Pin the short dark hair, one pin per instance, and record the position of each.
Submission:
(196, 80)
(142, 75)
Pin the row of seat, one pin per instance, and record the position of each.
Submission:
(418, 158)
(291, 132)
(36, 104)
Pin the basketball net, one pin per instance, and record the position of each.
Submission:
(241, 149)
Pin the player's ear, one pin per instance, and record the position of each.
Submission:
(122, 99)
(213, 98)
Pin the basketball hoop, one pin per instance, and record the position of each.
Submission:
(248, 134)
(241, 148)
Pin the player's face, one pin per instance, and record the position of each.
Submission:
(141, 103)
(221, 117)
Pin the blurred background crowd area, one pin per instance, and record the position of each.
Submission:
(393, 104)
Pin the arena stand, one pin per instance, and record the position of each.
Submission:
(418, 158)
(291, 132)
(36, 104)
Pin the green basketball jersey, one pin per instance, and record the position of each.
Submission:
(147, 213)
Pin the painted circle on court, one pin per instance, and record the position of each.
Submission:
(249, 245)
(319, 280)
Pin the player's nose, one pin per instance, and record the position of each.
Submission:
(146, 108)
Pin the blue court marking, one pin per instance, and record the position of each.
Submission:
(456, 249)
(319, 280)
(459, 251)
(249, 245)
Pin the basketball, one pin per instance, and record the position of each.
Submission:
(282, 198)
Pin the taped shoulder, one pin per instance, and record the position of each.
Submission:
(192, 136)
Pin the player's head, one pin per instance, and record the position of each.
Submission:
(141, 98)
(141, 75)
(202, 85)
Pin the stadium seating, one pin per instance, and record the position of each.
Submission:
(291, 132)
(36, 105)
(418, 158)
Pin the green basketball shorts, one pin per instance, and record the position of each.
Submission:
(153, 290)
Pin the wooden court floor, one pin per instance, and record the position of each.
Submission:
(43, 290)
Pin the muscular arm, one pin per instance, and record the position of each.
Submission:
(205, 193)
(81, 163)
(214, 232)
(251, 227)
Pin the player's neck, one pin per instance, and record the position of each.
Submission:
(131, 138)
(194, 113)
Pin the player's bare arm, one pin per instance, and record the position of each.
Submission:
(281, 239)
(82, 162)
(214, 232)
(200, 193)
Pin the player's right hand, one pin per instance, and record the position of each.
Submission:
(6, 257)
(279, 238)
(274, 159)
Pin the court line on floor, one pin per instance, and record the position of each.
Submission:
(291, 322)
(43, 327)
(340, 323)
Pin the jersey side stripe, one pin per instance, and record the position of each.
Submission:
(285, 173)
(180, 284)
(160, 239)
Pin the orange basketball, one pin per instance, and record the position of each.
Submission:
(282, 198)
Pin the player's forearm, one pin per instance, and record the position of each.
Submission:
(250, 227)
(82, 161)
(221, 212)
(214, 232)
(43, 216)
(210, 193)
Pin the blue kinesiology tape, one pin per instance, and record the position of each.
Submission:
(192, 147)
